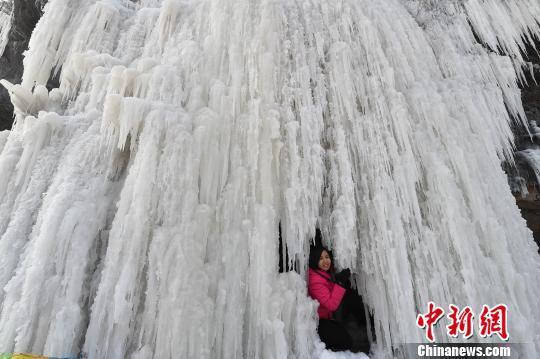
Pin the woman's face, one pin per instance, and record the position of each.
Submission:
(324, 261)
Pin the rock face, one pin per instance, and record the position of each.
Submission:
(24, 16)
(528, 145)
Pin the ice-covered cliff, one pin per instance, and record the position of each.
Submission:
(140, 200)
(524, 174)
(17, 20)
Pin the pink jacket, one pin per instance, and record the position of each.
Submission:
(327, 293)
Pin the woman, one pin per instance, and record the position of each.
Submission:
(322, 287)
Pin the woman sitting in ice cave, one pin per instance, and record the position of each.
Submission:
(332, 291)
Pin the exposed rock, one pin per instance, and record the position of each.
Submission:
(24, 17)
(524, 177)
(530, 209)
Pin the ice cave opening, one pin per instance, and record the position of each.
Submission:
(140, 193)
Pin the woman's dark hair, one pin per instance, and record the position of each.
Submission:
(315, 255)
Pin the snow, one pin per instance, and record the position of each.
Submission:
(140, 201)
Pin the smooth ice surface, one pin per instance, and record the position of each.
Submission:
(140, 201)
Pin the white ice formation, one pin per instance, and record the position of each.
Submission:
(6, 14)
(140, 201)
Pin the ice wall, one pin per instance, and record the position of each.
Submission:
(140, 201)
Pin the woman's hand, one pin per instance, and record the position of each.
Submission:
(343, 278)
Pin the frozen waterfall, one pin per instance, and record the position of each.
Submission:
(6, 13)
(140, 201)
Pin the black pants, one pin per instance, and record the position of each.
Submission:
(351, 318)
(351, 305)
(334, 335)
